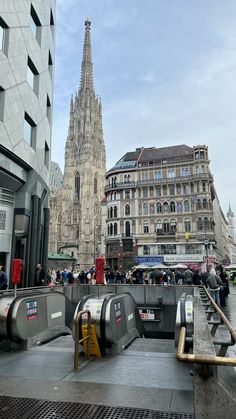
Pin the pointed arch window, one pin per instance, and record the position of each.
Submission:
(159, 208)
(172, 206)
(127, 229)
(95, 187)
(165, 206)
(77, 185)
(127, 209)
(186, 206)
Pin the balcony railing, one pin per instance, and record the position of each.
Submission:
(170, 180)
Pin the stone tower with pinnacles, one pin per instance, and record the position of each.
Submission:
(75, 212)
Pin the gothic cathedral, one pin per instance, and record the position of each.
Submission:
(75, 212)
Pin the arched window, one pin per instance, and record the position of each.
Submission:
(145, 208)
(115, 212)
(145, 227)
(159, 227)
(204, 203)
(127, 229)
(199, 204)
(205, 223)
(165, 206)
(108, 229)
(77, 185)
(199, 224)
(172, 226)
(187, 225)
(127, 209)
(111, 229)
(159, 209)
(166, 226)
(172, 206)
(111, 212)
(186, 206)
(115, 229)
(95, 185)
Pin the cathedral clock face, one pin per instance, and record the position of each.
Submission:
(206, 242)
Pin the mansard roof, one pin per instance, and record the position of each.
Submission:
(132, 159)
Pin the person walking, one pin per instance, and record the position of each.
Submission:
(214, 283)
(3, 279)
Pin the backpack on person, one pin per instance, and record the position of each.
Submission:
(213, 281)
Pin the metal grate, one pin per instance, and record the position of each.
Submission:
(20, 408)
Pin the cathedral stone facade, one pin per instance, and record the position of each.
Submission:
(75, 213)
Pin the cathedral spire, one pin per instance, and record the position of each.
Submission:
(71, 122)
(86, 80)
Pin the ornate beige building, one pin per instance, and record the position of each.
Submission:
(75, 213)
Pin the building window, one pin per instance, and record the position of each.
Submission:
(145, 227)
(159, 227)
(199, 204)
(3, 216)
(166, 226)
(77, 185)
(146, 249)
(171, 190)
(29, 131)
(204, 203)
(145, 208)
(46, 155)
(171, 173)
(144, 176)
(49, 109)
(35, 24)
(126, 178)
(4, 34)
(127, 194)
(115, 211)
(173, 226)
(115, 229)
(52, 22)
(199, 224)
(145, 192)
(127, 229)
(127, 209)
(159, 208)
(158, 191)
(50, 64)
(172, 206)
(158, 174)
(187, 225)
(165, 206)
(205, 223)
(2, 100)
(185, 188)
(184, 171)
(186, 206)
(32, 76)
(203, 187)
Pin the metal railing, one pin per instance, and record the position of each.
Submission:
(204, 358)
(77, 339)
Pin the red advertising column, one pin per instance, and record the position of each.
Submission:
(16, 268)
(99, 263)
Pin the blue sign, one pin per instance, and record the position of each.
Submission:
(149, 260)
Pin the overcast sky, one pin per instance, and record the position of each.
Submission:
(165, 71)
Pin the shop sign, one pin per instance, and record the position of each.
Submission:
(183, 258)
(152, 260)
